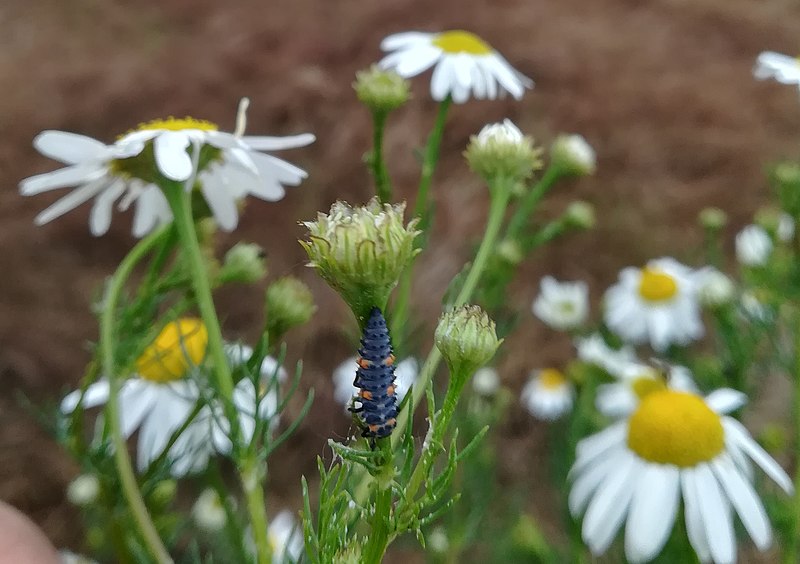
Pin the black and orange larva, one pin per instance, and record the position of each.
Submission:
(376, 402)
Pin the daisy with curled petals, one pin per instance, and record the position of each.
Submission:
(783, 68)
(405, 373)
(548, 394)
(464, 65)
(656, 304)
(562, 305)
(675, 446)
(634, 382)
(228, 167)
(163, 395)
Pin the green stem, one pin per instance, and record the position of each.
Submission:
(254, 493)
(383, 185)
(379, 535)
(520, 218)
(792, 553)
(122, 459)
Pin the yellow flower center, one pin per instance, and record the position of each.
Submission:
(178, 124)
(552, 379)
(180, 346)
(644, 386)
(656, 285)
(675, 428)
(459, 41)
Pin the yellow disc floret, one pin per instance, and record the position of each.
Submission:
(644, 386)
(459, 41)
(178, 124)
(180, 346)
(656, 285)
(675, 428)
(552, 379)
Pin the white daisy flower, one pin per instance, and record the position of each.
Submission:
(209, 512)
(161, 396)
(785, 231)
(594, 350)
(783, 68)
(548, 394)
(753, 246)
(562, 305)
(714, 288)
(229, 167)
(464, 65)
(285, 537)
(676, 445)
(635, 382)
(405, 373)
(486, 381)
(656, 304)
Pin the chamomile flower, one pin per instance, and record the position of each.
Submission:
(562, 305)
(464, 65)
(714, 288)
(634, 382)
(405, 374)
(229, 166)
(656, 304)
(753, 246)
(285, 537)
(676, 445)
(548, 394)
(209, 512)
(162, 396)
(783, 68)
(594, 350)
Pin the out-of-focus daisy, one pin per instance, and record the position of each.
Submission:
(656, 304)
(785, 230)
(783, 68)
(83, 490)
(209, 511)
(562, 305)
(286, 537)
(405, 374)
(229, 166)
(753, 246)
(573, 155)
(162, 395)
(464, 65)
(548, 394)
(714, 288)
(594, 350)
(636, 381)
(486, 381)
(676, 445)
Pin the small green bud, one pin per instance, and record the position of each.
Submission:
(571, 154)
(510, 251)
(289, 303)
(467, 339)
(714, 288)
(381, 90)
(361, 252)
(580, 215)
(96, 538)
(164, 492)
(244, 262)
(83, 490)
(501, 151)
(712, 219)
(769, 218)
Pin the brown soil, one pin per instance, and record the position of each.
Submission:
(662, 89)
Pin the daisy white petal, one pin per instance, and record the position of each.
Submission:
(652, 513)
(745, 500)
(400, 40)
(738, 434)
(266, 143)
(725, 400)
(69, 148)
(100, 216)
(68, 176)
(783, 68)
(71, 201)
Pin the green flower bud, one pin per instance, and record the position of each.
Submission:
(500, 150)
(712, 219)
(769, 218)
(164, 492)
(571, 154)
(351, 554)
(580, 214)
(510, 251)
(244, 262)
(381, 90)
(289, 303)
(361, 252)
(467, 339)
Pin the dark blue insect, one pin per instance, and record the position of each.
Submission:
(376, 402)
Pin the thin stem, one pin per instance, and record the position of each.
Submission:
(379, 535)
(792, 553)
(383, 185)
(122, 459)
(524, 211)
(254, 493)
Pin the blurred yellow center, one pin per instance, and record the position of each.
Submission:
(675, 428)
(178, 124)
(656, 285)
(180, 346)
(552, 379)
(459, 41)
(644, 386)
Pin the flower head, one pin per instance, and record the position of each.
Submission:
(675, 445)
(467, 339)
(361, 252)
(135, 167)
(548, 395)
(289, 303)
(464, 65)
(500, 150)
(635, 382)
(381, 90)
(656, 304)
(573, 155)
(783, 68)
(753, 246)
(244, 262)
(562, 305)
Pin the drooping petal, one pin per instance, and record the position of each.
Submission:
(695, 528)
(95, 394)
(172, 158)
(442, 79)
(100, 216)
(716, 514)
(61, 178)
(221, 202)
(69, 148)
(72, 201)
(745, 500)
(417, 60)
(266, 143)
(587, 482)
(725, 400)
(737, 434)
(607, 509)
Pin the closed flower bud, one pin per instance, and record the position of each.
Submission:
(289, 303)
(208, 512)
(580, 214)
(714, 288)
(501, 151)
(467, 339)
(753, 246)
(244, 262)
(571, 154)
(83, 490)
(361, 252)
(713, 219)
(381, 90)
(164, 492)
(510, 251)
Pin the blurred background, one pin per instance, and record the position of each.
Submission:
(662, 89)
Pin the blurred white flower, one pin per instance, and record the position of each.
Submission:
(209, 512)
(69, 557)
(675, 446)
(83, 490)
(753, 246)
(548, 395)
(785, 231)
(753, 308)
(505, 133)
(405, 374)
(714, 288)
(783, 68)
(562, 305)
(573, 154)
(635, 382)
(286, 538)
(464, 65)
(656, 304)
(486, 381)
(594, 350)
